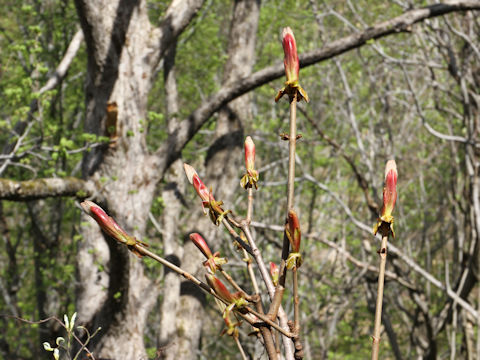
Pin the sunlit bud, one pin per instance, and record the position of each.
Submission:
(106, 223)
(214, 261)
(194, 179)
(292, 65)
(292, 229)
(274, 272)
(389, 189)
(201, 244)
(249, 153)
(251, 177)
(219, 288)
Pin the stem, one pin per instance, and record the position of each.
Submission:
(250, 205)
(250, 272)
(245, 253)
(266, 333)
(270, 288)
(240, 348)
(292, 142)
(269, 322)
(296, 301)
(209, 290)
(378, 310)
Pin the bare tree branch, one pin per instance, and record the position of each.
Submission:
(65, 63)
(43, 188)
(403, 23)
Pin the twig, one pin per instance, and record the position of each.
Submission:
(240, 348)
(296, 301)
(141, 250)
(378, 310)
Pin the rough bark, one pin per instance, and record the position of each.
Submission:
(172, 247)
(224, 159)
(123, 51)
(43, 188)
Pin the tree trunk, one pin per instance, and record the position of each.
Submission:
(222, 168)
(123, 51)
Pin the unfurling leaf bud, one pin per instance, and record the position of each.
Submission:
(214, 261)
(390, 188)
(194, 179)
(109, 226)
(201, 244)
(274, 273)
(219, 288)
(249, 153)
(292, 229)
(235, 300)
(106, 223)
(290, 61)
(389, 199)
(292, 67)
(251, 177)
(217, 214)
(232, 328)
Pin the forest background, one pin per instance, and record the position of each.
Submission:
(105, 100)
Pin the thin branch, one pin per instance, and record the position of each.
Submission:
(403, 23)
(378, 309)
(44, 188)
(395, 250)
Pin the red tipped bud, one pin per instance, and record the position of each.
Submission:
(249, 153)
(274, 273)
(236, 300)
(201, 244)
(194, 179)
(292, 229)
(214, 261)
(251, 177)
(290, 61)
(390, 188)
(219, 288)
(217, 214)
(385, 221)
(292, 67)
(106, 223)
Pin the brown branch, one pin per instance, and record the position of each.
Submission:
(403, 23)
(44, 188)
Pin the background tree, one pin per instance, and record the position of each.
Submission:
(413, 95)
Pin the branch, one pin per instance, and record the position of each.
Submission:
(43, 188)
(395, 250)
(179, 15)
(62, 68)
(403, 23)
(358, 263)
